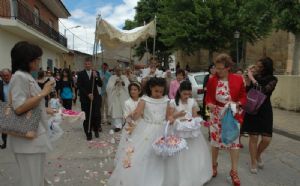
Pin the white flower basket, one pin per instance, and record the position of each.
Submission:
(169, 145)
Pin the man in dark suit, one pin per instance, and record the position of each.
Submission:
(84, 84)
(4, 86)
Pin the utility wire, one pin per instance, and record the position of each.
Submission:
(75, 34)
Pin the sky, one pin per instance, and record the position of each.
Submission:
(84, 14)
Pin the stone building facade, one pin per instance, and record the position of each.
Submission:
(279, 45)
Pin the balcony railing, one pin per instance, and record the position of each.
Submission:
(27, 16)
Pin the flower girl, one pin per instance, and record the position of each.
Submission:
(141, 166)
(55, 131)
(194, 165)
(135, 93)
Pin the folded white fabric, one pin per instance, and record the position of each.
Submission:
(188, 127)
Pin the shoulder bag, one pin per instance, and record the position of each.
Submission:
(24, 125)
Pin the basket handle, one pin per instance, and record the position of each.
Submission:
(166, 130)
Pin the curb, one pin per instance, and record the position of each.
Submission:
(286, 134)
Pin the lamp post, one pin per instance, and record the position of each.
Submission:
(77, 26)
(237, 36)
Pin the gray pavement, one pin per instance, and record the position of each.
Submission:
(287, 123)
(76, 162)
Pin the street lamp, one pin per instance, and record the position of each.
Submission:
(237, 36)
(77, 26)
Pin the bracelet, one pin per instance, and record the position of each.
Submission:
(40, 95)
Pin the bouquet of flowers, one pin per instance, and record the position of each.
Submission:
(169, 145)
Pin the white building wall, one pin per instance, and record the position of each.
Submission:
(8, 40)
(49, 55)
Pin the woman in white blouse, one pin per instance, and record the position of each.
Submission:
(26, 95)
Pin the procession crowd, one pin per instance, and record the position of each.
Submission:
(143, 108)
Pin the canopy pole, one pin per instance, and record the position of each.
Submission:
(94, 59)
(131, 62)
(154, 39)
(147, 50)
(102, 54)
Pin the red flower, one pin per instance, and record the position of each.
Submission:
(220, 84)
(214, 136)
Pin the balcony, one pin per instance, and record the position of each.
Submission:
(27, 16)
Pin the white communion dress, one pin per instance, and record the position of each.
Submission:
(142, 167)
(195, 163)
(126, 139)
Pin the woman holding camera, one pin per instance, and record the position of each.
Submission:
(260, 124)
(26, 95)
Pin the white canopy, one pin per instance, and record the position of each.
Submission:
(112, 37)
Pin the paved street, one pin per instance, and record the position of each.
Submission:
(76, 162)
(287, 122)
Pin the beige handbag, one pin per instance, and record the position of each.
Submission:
(24, 125)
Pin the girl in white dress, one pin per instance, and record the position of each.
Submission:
(194, 165)
(135, 93)
(141, 166)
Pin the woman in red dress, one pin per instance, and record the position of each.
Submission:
(224, 88)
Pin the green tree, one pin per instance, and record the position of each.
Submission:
(254, 20)
(129, 24)
(193, 24)
(287, 15)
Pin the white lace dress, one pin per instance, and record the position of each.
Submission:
(142, 167)
(194, 164)
(126, 139)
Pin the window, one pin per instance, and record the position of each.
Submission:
(36, 15)
(199, 79)
(50, 64)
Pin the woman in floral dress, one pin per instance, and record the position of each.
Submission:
(222, 89)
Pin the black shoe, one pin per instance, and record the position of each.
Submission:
(89, 136)
(117, 129)
(96, 134)
(3, 146)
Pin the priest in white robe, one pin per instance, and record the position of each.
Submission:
(117, 92)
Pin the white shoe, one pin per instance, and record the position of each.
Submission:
(253, 170)
(47, 182)
(260, 164)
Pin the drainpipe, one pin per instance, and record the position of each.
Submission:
(13, 8)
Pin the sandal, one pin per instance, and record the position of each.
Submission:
(260, 164)
(253, 169)
(235, 178)
(215, 171)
